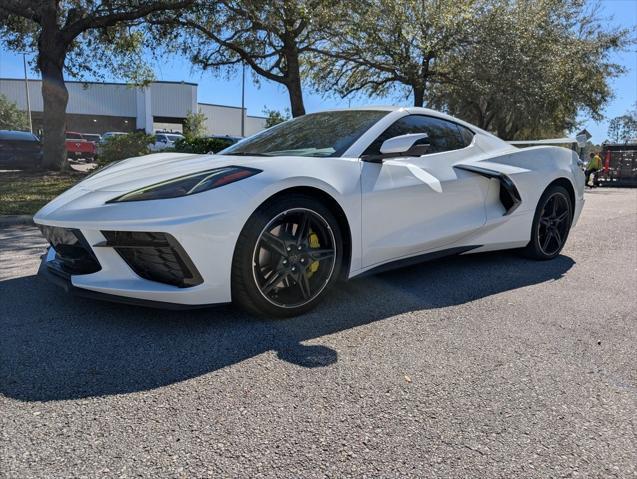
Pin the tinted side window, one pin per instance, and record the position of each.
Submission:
(73, 136)
(443, 135)
(466, 133)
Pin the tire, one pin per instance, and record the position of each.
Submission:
(280, 268)
(551, 224)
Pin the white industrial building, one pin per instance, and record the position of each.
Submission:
(99, 107)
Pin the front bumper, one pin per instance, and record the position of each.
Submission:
(206, 242)
(59, 278)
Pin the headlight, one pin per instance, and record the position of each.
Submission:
(189, 184)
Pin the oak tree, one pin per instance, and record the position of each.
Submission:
(271, 37)
(56, 29)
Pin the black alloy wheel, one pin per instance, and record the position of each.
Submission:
(294, 258)
(554, 224)
(287, 257)
(551, 224)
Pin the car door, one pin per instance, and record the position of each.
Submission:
(413, 205)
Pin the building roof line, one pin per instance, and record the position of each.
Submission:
(231, 106)
(103, 83)
(217, 104)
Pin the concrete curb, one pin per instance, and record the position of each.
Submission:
(10, 220)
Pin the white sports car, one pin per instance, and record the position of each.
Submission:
(275, 220)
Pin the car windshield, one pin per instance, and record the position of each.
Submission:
(324, 134)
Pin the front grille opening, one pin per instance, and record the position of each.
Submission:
(155, 256)
(73, 255)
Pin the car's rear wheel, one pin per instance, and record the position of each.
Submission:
(287, 257)
(551, 224)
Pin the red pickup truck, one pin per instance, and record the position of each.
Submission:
(79, 147)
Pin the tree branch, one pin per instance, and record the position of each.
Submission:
(71, 30)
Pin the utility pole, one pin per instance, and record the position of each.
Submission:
(26, 87)
(243, 99)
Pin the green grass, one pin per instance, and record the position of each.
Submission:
(25, 192)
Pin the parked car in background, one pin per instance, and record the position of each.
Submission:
(164, 140)
(78, 147)
(110, 134)
(19, 149)
(94, 137)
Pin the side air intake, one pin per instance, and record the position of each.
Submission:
(154, 256)
(509, 194)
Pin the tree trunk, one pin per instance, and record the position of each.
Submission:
(419, 95)
(51, 57)
(294, 84)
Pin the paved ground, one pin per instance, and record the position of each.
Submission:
(486, 366)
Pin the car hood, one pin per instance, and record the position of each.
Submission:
(134, 173)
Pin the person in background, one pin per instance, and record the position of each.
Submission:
(593, 166)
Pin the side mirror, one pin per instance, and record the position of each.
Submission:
(412, 144)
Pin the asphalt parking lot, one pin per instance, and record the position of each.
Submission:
(479, 366)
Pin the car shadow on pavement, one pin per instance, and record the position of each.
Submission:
(55, 347)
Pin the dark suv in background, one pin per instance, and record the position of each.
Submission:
(19, 150)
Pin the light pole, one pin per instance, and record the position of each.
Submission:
(243, 99)
(26, 87)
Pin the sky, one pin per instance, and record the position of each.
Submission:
(266, 94)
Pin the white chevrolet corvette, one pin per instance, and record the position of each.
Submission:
(275, 220)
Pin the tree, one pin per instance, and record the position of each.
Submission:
(195, 125)
(274, 117)
(10, 117)
(268, 36)
(383, 45)
(534, 67)
(623, 128)
(55, 28)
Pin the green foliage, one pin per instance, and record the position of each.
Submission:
(532, 69)
(202, 145)
(623, 128)
(115, 48)
(520, 68)
(78, 37)
(10, 117)
(270, 37)
(195, 125)
(120, 147)
(379, 47)
(274, 117)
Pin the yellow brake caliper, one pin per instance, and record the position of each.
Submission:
(314, 243)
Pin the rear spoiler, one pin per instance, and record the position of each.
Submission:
(569, 143)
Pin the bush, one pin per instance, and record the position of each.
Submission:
(11, 118)
(195, 125)
(202, 145)
(120, 147)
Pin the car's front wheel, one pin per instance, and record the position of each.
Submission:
(551, 224)
(287, 257)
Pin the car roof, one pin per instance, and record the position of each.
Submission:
(17, 135)
(418, 110)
